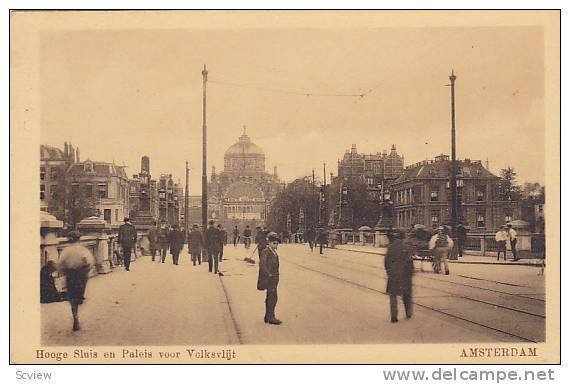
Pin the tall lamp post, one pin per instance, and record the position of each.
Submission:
(453, 176)
(204, 175)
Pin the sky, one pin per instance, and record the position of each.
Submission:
(121, 94)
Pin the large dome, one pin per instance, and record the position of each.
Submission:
(244, 147)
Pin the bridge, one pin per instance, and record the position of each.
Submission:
(338, 297)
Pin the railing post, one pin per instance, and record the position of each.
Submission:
(49, 242)
(483, 244)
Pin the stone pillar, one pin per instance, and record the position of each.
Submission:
(95, 226)
(361, 238)
(523, 237)
(49, 241)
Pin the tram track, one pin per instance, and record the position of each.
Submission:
(462, 284)
(366, 287)
(452, 294)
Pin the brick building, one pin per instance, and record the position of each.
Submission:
(374, 169)
(422, 195)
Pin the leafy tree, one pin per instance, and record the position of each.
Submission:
(508, 184)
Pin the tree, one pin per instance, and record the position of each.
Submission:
(509, 188)
(363, 205)
(297, 195)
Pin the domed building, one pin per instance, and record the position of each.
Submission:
(241, 194)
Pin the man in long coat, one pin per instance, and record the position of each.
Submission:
(195, 244)
(269, 277)
(128, 240)
(176, 240)
(211, 243)
(400, 269)
(163, 240)
(153, 239)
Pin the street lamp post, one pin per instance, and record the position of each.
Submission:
(453, 176)
(204, 175)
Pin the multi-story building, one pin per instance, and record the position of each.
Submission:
(375, 169)
(54, 164)
(422, 195)
(98, 188)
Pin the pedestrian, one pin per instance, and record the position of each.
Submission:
(48, 291)
(128, 240)
(176, 239)
(211, 241)
(163, 240)
(501, 238)
(195, 244)
(235, 234)
(222, 241)
(75, 262)
(322, 237)
(261, 240)
(268, 278)
(440, 244)
(461, 239)
(311, 235)
(399, 267)
(512, 236)
(247, 237)
(153, 239)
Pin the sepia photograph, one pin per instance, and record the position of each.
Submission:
(285, 186)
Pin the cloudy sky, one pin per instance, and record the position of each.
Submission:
(121, 94)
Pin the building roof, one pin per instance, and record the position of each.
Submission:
(244, 147)
(99, 169)
(48, 153)
(439, 168)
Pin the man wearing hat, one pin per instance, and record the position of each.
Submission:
(211, 242)
(441, 243)
(269, 277)
(176, 239)
(195, 244)
(501, 238)
(128, 240)
(512, 235)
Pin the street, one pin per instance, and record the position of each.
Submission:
(338, 297)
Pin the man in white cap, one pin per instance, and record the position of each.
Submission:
(441, 243)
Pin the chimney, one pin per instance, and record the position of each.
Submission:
(353, 148)
(275, 170)
(77, 156)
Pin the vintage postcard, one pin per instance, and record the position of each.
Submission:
(221, 187)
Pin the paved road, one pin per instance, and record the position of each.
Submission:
(335, 298)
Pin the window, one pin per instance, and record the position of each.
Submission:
(42, 173)
(53, 192)
(42, 192)
(434, 195)
(370, 181)
(88, 167)
(434, 218)
(54, 173)
(88, 190)
(540, 208)
(102, 191)
(480, 219)
(116, 215)
(107, 215)
(480, 193)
